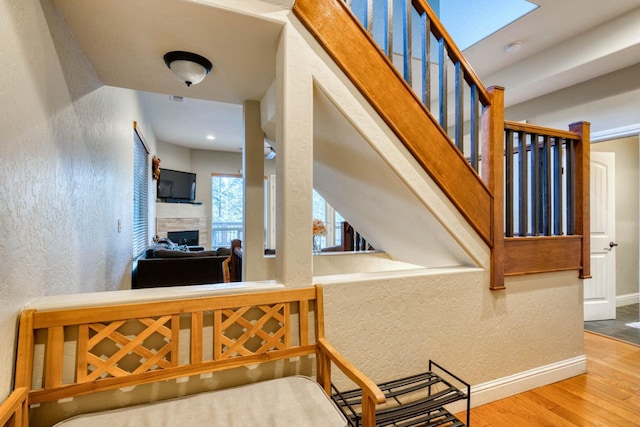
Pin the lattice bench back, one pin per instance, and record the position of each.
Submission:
(129, 344)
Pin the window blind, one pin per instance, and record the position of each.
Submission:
(140, 196)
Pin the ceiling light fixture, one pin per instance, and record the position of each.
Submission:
(513, 47)
(189, 68)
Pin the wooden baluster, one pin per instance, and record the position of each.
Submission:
(53, 357)
(197, 325)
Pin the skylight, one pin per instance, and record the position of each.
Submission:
(469, 21)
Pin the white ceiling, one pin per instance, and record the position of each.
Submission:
(564, 42)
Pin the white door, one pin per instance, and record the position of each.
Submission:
(600, 290)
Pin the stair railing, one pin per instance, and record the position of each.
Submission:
(546, 193)
(478, 131)
(426, 58)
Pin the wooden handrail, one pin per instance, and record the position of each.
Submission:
(541, 130)
(356, 53)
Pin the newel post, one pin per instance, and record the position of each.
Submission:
(493, 176)
(583, 214)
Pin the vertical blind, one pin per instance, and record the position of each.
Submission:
(140, 195)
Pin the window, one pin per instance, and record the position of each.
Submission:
(140, 194)
(331, 218)
(227, 206)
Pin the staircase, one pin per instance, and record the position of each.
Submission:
(495, 173)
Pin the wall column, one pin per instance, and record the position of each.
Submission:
(294, 163)
(253, 264)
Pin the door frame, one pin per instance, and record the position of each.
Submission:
(619, 133)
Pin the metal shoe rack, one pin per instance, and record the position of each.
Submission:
(418, 400)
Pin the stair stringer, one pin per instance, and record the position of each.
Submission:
(368, 175)
(413, 220)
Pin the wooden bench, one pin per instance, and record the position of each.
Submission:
(67, 353)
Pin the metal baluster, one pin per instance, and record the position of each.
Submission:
(535, 184)
(524, 184)
(389, 32)
(570, 177)
(547, 190)
(426, 60)
(442, 83)
(475, 127)
(459, 104)
(508, 181)
(407, 41)
(368, 19)
(557, 187)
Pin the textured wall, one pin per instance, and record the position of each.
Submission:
(66, 156)
(392, 327)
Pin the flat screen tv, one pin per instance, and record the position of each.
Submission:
(176, 186)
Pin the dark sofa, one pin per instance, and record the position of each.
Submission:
(166, 264)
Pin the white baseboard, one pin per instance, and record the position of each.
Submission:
(491, 391)
(627, 299)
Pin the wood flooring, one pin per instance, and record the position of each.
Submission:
(607, 395)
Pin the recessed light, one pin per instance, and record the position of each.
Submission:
(211, 137)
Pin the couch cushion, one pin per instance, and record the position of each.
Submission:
(168, 253)
(283, 402)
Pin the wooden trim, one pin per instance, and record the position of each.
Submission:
(525, 255)
(51, 318)
(583, 196)
(24, 359)
(355, 52)
(54, 357)
(136, 129)
(65, 391)
(14, 411)
(541, 130)
(493, 175)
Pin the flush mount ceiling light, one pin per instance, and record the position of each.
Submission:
(513, 47)
(189, 68)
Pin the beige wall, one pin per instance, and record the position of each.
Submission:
(392, 327)
(626, 151)
(66, 165)
(607, 102)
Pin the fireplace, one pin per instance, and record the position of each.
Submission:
(186, 237)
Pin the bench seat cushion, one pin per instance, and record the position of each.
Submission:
(284, 402)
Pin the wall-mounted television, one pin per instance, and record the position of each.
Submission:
(176, 186)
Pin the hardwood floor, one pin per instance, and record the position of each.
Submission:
(607, 395)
